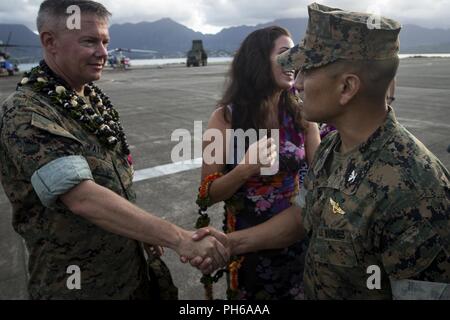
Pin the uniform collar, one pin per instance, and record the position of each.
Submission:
(359, 162)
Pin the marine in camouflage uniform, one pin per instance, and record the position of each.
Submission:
(56, 154)
(65, 167)
(384, 203)
(34, 133)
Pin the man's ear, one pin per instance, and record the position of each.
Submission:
(48, 41)
(349, 86)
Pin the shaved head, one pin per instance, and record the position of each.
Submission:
(375, 75)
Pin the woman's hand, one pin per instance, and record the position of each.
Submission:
(261, 154)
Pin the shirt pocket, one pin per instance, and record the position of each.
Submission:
(334, 247)
(412, 252)
(45, 124)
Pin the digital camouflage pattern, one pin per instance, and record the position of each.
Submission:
(334, 34)
(162, 287)
(385, 204)
(33, 133)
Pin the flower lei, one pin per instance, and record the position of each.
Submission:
(204, 201)
(235, 264)
(104, 123)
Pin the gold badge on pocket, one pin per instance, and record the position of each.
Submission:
(336, 208)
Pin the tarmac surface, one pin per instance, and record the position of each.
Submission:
(155, 101)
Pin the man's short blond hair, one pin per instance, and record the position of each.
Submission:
(52, 13)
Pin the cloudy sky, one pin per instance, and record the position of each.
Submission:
(210, 16)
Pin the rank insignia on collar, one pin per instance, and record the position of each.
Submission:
(352, 177)
(336, 208)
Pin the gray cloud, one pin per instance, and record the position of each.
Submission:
(213, 15)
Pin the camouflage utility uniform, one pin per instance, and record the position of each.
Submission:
(33, 133)
(384, 204)
(378, 217)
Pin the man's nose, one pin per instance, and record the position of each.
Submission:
(102, 50)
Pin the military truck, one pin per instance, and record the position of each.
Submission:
(197, 55)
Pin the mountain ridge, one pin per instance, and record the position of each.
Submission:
(172, 39)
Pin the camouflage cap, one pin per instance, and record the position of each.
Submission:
(334, 34)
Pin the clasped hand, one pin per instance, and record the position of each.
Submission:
(207, 249)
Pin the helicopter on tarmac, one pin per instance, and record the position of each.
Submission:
(9, 66)
(117, 60)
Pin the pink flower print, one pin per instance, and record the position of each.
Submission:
(300, 153)
(263, 205)
(290, 147)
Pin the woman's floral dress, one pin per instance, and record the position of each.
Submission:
(269, 274)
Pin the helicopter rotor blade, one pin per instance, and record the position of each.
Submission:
(9, 38)
(19, 46)
(143, 51)
(118, 50)
(131, 50)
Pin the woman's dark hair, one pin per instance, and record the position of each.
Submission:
(251, 84)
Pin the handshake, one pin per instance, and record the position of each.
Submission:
(207, 249)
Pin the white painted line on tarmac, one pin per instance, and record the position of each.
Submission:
(166, 169)
(176, 167)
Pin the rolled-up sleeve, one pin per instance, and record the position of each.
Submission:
(58, 177)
